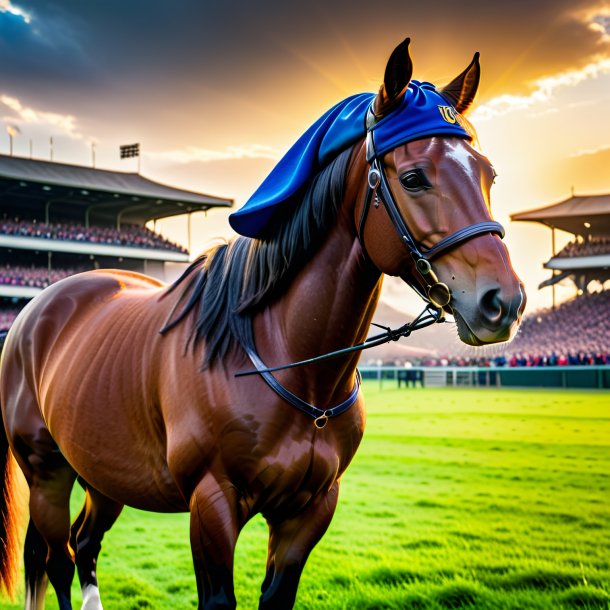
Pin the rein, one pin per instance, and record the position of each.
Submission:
(436, 294)
(430, 315)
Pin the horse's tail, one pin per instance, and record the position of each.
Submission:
(10, 522)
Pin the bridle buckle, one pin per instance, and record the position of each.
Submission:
(438, 293)
(374, 178)
(320, 422)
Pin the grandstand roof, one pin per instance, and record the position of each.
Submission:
(571, 215)
(576, 263)
(93, 194)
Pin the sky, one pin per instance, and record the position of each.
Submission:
(216, 92)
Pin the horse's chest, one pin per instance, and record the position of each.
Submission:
(295, 470)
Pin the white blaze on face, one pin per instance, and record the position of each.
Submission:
(461, 155)
(91, 598)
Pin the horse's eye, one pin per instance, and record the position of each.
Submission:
(415, 180)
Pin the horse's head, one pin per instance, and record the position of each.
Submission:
(426, 216)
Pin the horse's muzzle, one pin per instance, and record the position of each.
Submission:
(496, 318)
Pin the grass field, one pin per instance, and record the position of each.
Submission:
(466, 498)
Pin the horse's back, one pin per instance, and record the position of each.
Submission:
(72, 312)
(74, 297)
(72, 369)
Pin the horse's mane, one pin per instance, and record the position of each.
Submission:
(227, 284)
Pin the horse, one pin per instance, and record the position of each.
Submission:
(129, 385)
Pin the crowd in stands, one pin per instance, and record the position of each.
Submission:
(554, 358)
(7, 317)
(127, 235)
(593, 246)
(576, 332)
(33, 277)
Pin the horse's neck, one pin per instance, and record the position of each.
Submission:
(328, 306)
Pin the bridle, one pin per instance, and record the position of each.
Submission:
(428, 287)
(436, 294)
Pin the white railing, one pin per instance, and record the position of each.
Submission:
(586, 376)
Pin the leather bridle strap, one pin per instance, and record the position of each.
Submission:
(321, 416)
(435, 292)
(478, 228)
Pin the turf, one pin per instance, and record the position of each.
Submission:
(492, 499)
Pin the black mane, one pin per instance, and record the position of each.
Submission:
(227, 284)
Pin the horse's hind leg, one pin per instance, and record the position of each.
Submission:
(96, 517)
(50, 487)
(290, 542)
(35, 567)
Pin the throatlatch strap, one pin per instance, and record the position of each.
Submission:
(297, 402)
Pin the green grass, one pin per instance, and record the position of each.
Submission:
(466, 498)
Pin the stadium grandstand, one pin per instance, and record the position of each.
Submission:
(58, 219)
(586, 259)
(577, 331)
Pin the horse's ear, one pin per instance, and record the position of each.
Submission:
(462, 90)
(397, 76)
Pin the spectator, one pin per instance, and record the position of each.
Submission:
(576, 333)
(592, 246)
(128, 235)
(33, 277)
(7, 317)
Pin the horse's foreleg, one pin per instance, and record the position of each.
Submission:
(96, 517)
(50, 513)
(214, 531)
(290, 543)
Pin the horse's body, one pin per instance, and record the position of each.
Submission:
(90, 387)
(164, 421)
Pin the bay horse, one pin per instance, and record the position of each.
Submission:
(130, 385)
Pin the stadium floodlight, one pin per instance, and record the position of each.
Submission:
(12, 131)
(129, 150)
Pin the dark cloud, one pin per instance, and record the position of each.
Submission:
(42, 51)
(157, 61)
(236, 44)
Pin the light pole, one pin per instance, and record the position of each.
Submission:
(13, 131)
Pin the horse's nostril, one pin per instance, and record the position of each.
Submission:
(490, 305)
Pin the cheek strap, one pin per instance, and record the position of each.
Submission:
(434, 292)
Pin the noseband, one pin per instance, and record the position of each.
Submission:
(437, 293)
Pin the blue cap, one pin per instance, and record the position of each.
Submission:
(423, 112)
